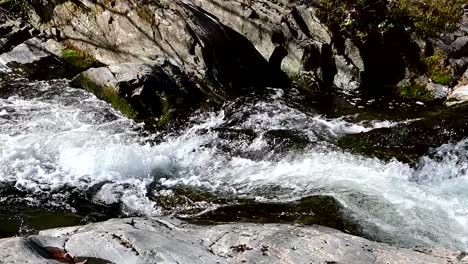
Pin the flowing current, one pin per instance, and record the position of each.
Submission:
(54, 139)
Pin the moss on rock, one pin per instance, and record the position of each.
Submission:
(77, 59)
(414, 92)
(111, 96)
(435, 66)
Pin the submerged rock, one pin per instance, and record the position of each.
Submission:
(165, 240)
(321, 210)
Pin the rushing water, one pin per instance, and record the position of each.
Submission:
(56, 140)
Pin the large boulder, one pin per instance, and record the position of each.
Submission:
(144, 91)
(165, 240)
(438, 91)
(228, 45)
(39, 59)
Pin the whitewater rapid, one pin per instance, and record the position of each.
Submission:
(53, 136)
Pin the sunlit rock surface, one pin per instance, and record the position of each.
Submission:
(165, 240)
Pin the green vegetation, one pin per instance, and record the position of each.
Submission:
(437, 70)
(354, 18)
(23, 7)
(359, 19)
(167, 112)
(305, 83)
(415, 92)
(428, 17)
(109, 94)
(77, 59)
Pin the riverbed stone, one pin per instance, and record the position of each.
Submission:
(168, 240)
(407, 142)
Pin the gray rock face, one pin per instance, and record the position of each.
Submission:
(460, 47)
(165, 240)
(12, 33)
(28, 52)
(228, 44)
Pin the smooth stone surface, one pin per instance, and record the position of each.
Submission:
(459, 95)
(166, 240)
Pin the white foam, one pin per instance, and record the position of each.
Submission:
(75, 139)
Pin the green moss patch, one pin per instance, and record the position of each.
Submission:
(114, 99)
(110, 95)
(77, 59)
(414, 92)
(437, 71)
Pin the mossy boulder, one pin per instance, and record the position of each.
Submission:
(408, 142)
(155, 93)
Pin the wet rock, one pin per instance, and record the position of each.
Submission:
(142, 240)
(14, 37)
(408, 142)
(285, 140)
(305, 42)
(39, 60)
(12, 32)
(228, 55)
(321, 210)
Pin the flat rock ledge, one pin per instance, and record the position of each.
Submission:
(168, 240)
